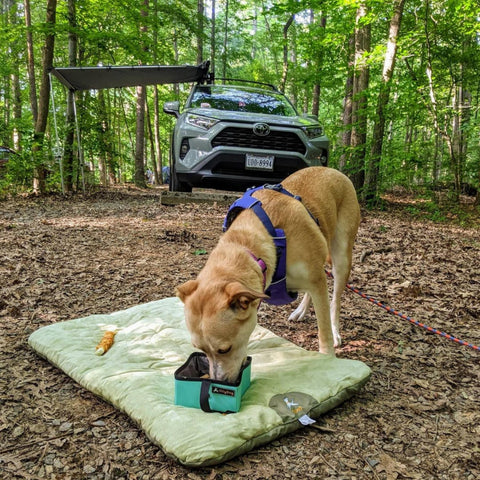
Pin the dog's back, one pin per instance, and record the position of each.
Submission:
(327, 194)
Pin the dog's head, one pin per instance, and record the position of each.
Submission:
(220, 318)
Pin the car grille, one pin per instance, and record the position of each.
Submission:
(245, 138)
(233, 165)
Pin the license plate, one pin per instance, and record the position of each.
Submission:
(259, 162)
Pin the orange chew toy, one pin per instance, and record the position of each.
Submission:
(105, 343)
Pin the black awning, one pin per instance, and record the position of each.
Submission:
(96, 78)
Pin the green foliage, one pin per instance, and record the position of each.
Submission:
(439, 209)
(17, 174)
(250, 44)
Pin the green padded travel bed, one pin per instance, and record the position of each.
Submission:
(288, 384)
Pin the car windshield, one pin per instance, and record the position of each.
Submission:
(224, 97)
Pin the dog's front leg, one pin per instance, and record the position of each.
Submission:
(319, 294)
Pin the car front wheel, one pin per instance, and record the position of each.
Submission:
(175, 184)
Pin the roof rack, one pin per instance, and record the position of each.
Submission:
(238, 80)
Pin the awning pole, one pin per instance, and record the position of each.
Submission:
(79, 145)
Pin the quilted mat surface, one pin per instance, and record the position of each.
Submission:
(137, 376)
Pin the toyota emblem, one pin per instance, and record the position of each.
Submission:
(261, 129)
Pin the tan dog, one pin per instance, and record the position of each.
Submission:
(221, 304)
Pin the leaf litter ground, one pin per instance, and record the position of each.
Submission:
(417, 418)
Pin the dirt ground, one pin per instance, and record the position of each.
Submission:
(417, 418)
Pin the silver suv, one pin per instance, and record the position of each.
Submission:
(233, 137)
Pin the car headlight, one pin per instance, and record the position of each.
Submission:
(200, 121)
(313, 132)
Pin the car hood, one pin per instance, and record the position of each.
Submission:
(248, 117)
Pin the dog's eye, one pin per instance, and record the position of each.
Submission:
(224, 351)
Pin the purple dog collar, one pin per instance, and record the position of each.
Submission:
(262, 265)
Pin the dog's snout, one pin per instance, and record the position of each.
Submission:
(221, 374)
(218, 372)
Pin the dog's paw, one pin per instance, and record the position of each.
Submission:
(302, 309)
(337, 340)
(297, 314)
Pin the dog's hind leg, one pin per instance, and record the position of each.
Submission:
(340, 272)
(341, 255)
(302, 309)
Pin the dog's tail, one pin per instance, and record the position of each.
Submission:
(328, 260)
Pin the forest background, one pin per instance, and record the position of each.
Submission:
(395, 84)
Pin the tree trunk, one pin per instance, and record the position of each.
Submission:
(461, 107)
(200, 34)
(140, 139)
(293, 61)
(356, 168)
(39, 185)
(255, 30)
(319, 59)
(285, 52)
(31, 62)
(225, 43)
(346, 133)
(141, 95)
(68, 149)
(373, 173)
(69, 152)
(316, 99)
(457, 136)
(11, 134)
(156, 133)
(433, 107)
(151, 142)
(106, 162)
(213, 44)
(17, 109)
(477, 198)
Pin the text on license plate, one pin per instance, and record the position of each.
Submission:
(259, 162)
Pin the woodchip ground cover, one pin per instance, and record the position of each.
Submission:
(418, 417)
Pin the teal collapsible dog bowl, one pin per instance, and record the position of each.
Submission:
(209, 394)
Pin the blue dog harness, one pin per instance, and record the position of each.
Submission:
(277, 291)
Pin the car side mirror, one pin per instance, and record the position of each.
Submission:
(172, 108)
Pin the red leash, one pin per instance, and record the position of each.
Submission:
(405, 317)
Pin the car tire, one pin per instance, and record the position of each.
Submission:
(175, 184)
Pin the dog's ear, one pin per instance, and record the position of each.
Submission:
(239, 296)
(186, 289)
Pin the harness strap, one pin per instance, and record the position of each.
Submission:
(278, 289)
(278, 187)
(248, 202)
